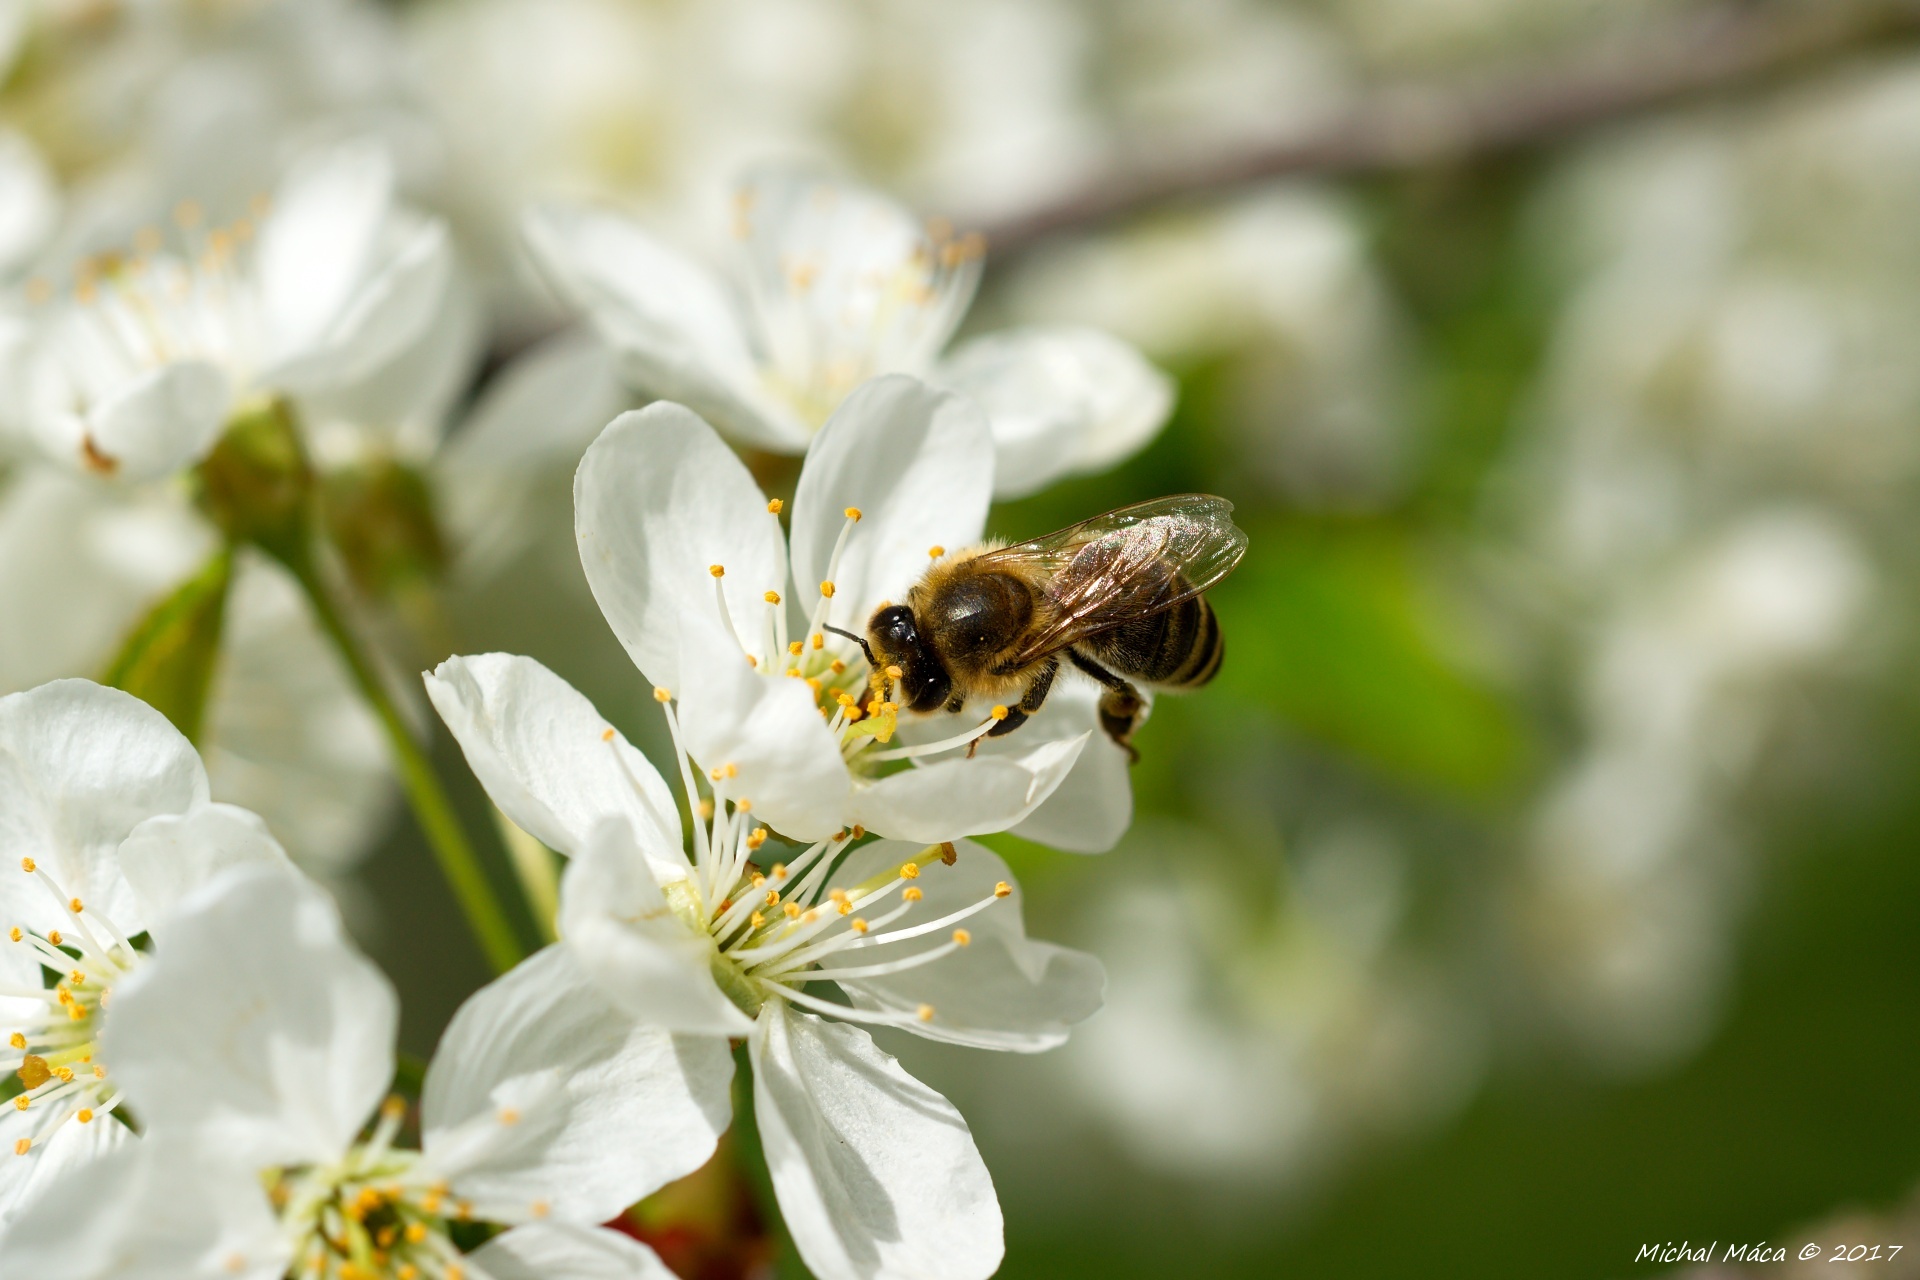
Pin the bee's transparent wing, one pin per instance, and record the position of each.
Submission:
(1126, 564)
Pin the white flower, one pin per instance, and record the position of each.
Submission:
(876, 1174)
(257, 1047)
(838, 285)
(105, 819)
(135, 372)
(686, 558)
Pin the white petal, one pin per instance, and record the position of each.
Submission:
(633, 1107)
(768, 728)
(532, 424)
(657, 501)
(876, 1174)
(1002, 990)
(29, 200)
(317, 243)
(548, 759)
(917, 463)
(168, 857)
(556, 1251)
(650, 962)
(953, 798)
(159, 422)
(1060, 401)
(1093, 805)
(258, 1025)
(678, 334)
(80, 766)
(158, 1209)
(71, 1147)
(287, 734)
(385, 312)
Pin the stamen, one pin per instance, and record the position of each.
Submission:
(935, 748)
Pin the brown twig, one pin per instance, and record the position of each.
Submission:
(1731, 47)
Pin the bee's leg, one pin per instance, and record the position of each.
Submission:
(1120, 705)
(1030, 701)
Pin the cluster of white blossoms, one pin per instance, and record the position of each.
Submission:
(203, 1076)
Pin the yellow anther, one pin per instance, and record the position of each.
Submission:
(13, 934)
(54, 937)
(935, 551)
(17, 1040)
(894, 672)
(757, 838)
(22, 1146)
(464, 1212)
(84, 1115)
(756, 879)
(774, 506)
(540, 1208)
(407, 1271)
(809, 916)
(756, 920)
(706, 809)
(1001, 889)
(796, 647)
(65, 1074)
(844, 908)
(773, 897)
(429, 1203)
(857, 925)
(99, 1073)
(925, 1013)
(779, 868)
(853, 513)
(63, 995)
(417, 1231)
(22, 1102)
(29, 866)
(77, 978)
(949, 854)
(826, 589)
(858, 831)
(394, 1108)
(912, 893)
(76, 906)
(608, 735)
(794, 672)
(961, 938)
(998, 713)
(838, 895)
(730, 769)
(508, 1116)
(910, 871)
(836, 666)
(33, 1072)
(717, 570)
(742, 805)
(661, 695)
(771, 597)
(454, 1270)
(76, 1012)
(793, 910)
(715, 774)
(819, 640)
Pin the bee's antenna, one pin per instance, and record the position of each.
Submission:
(859, 640)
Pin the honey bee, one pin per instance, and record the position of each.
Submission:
(1119, 597)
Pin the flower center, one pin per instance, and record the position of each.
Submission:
(861, 709)
(60, 1073)
(824, 324)
(372, 1215)
(132, 312)
(772, 929)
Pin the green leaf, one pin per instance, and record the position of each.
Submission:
(167, 660)
(1328, 627)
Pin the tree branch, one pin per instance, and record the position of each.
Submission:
(1730, 47)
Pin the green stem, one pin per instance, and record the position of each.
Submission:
(534, 864)
(431, 808)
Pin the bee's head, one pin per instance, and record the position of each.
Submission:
(897, 640)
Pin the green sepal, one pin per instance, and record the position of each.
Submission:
(379, 516)
(167, 660)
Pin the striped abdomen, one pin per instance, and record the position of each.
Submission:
(1178, 648)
